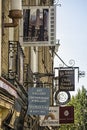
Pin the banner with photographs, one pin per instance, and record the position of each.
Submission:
(38, 26)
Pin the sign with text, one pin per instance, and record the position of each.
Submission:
(52, 119)
(66, 114)
(66, 80)
(38, 101)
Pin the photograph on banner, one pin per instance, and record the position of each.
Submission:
(52, 119)
(37, 24)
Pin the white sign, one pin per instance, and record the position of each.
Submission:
(52, 119)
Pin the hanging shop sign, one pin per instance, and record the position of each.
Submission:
(38, 101)
(66, 80)
(66, 114)
(38, 26)
(62, 97)
(52, 119)
(58, 115)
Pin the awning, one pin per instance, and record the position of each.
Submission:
(7, 86)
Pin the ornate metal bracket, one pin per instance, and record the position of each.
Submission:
(71, 65)
(57, 2)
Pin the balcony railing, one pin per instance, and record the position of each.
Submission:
(16, 61)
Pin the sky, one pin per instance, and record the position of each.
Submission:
(71, 30)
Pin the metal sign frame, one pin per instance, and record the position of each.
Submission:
(66, 79)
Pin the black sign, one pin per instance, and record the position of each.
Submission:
(66, 80)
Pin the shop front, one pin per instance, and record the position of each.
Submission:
(8, 95)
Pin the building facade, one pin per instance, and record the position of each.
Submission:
(25, 59)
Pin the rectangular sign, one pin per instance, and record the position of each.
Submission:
(38, 26)
(52, 119)
(66, 114)
(66, 80)
(38, 101)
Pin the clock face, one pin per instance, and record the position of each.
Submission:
(62, 97)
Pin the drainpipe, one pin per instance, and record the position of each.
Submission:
(15, 13)
(34, 60)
